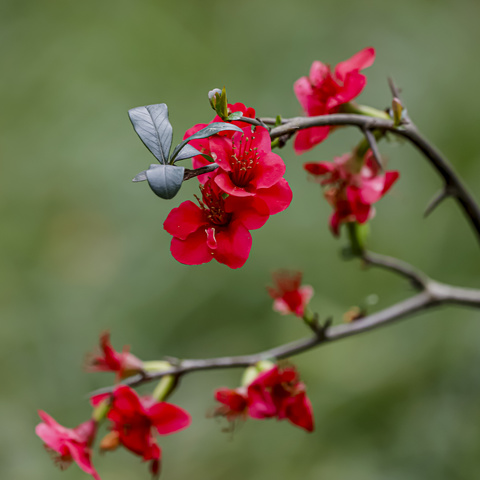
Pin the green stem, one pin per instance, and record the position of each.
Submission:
(352, 107)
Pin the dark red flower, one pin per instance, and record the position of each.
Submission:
(323, 92)
(136, 419)
(288, 293)
(108, 360)
(217, 229)
(68, 444)
(274, 393)
(353, 185)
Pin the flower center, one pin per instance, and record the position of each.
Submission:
(213, 205)
(243, 161)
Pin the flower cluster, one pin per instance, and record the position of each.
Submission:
(274, 393)
(239, 196)
(289, 295)
(353, 185)
(322, 92)
(134, 419)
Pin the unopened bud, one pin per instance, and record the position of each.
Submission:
(214, 96)
(397, 110)
(110, 441)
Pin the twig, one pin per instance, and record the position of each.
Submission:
(433, 295)
(408, 131)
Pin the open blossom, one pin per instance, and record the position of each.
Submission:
(274, 393)
(288, 293)
(352, 189)
(203, 144)
(217, 228)
(136, 419)
(323, 91)
(249, 168)
(68, 444)
(109, 360)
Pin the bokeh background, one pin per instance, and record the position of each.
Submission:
(83, 249)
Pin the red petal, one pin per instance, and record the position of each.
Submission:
(269, 170)
(354, 84)
(309, 137)
(304, 92)
(318, 73)
(363, 59)
(224, 181)
(277, 198)
(299, 412)
(233, 245)
(390, 178)
(319, 168)
(184, 220)
(168, 418)
(252, 212)
(193, 250)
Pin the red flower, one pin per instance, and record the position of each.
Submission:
(248, 167)
(68, 444)
(108, 360)
(288, 295)
(352, 187)
(134, 420)
(274, 393)
(218, 228)
(203, 144)
(323, 92)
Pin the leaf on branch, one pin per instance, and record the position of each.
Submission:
(187, 152)
(165, 180)
(154, 129)
(235, 116)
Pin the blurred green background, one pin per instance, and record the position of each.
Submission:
(83, 249)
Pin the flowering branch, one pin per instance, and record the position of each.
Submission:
(432, 294)
(453, 185)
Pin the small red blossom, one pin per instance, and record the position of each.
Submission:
(288, 293)
(216, 229)
(68, 445)
(322, 93)
(275, 393)
(352, 189)
(136, 419)
(124, 364)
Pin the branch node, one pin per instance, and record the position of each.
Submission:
(439, 197)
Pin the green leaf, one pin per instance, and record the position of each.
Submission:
(154, 129)
(165, 180)
(235, 116)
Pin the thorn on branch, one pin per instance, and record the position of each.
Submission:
(321, 330)
(443, 194)
(393, 88)
(373, 146)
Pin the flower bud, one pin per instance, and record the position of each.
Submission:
(110, 441)
(214, 96)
